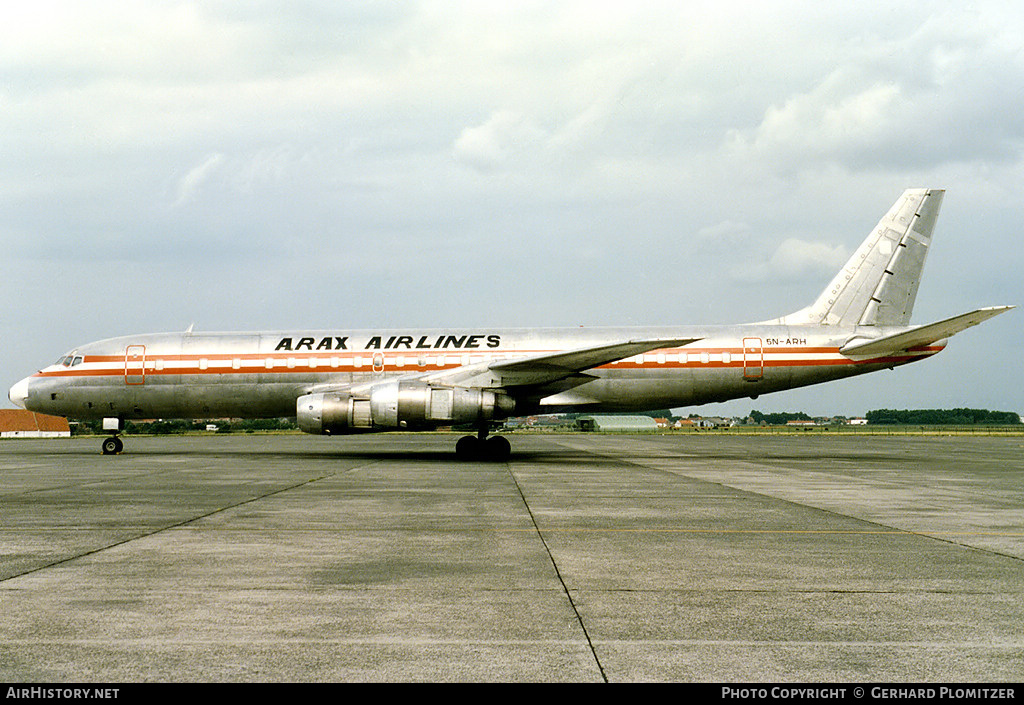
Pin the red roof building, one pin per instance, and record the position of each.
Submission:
(18, 423)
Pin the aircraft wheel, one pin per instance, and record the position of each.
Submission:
(494, 449)
(468, 448)
(498, 448)
(112, 446)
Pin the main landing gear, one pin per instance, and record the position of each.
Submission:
(495, 449)
(112, 445)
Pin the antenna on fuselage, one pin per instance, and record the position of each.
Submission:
(188, 331)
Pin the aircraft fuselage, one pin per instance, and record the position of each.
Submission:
(213, 375)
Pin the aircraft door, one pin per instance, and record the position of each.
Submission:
(135, 364)
(753, 359)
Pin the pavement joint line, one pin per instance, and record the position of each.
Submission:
(935, 536)
(558, 573)
(90, 483)
(175, 525)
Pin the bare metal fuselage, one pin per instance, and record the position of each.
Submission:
(214, 375)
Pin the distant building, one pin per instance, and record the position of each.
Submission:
(704, 422)
(617, 423)
(858, 422)
(18, 423)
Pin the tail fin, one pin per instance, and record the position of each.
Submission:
(877, 287)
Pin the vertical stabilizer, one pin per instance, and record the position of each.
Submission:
(878, 285)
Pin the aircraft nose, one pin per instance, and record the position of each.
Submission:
(19, 393)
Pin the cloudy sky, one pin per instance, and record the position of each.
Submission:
(267, 165)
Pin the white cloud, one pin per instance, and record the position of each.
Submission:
(795, 260)
(939, 95)
(189, 184)
(820, 124)
(727, 230)
(502, 137)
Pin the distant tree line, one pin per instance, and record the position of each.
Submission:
(780, 418)
(950, 417)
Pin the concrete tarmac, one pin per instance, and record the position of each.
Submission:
(585, 558)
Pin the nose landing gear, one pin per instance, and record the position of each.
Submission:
(112, 445)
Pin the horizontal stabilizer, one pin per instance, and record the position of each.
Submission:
(921, 335)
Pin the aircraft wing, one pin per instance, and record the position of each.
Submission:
(922, 335)
(547, 368)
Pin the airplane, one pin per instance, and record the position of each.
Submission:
(341, 381)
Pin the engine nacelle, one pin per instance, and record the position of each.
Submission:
(332, 412)
(400, 404)
(412, 404)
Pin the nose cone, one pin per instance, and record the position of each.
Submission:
(19, 393)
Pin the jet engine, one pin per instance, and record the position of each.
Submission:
(399, 404)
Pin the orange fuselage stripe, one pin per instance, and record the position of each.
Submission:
(224, 364)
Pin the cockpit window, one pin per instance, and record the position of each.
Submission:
(69, 360)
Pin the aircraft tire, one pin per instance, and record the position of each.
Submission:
(468, 448)
(494, 449)
(112, 446)
(498, 449)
